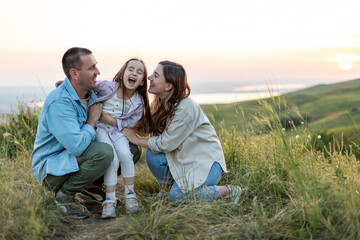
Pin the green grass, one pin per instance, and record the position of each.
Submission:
(294, 187)
(26, 209)
(326, 106)
(290, 191)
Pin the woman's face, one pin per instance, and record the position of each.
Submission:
(158, 85)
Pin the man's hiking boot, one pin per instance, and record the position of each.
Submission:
(68, 205)
(92, 193)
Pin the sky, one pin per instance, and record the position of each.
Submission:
(229, 41)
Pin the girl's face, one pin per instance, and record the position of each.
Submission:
(133, 75)
(158, 85)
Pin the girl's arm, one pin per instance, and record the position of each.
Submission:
(123, 123)
(58, 83)
(132, 120)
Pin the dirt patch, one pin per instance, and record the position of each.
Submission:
(93, 226)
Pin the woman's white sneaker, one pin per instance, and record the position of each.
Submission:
(235, 192)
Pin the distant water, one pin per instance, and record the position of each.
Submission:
(219, 92)
(11, 95)
(210, 93)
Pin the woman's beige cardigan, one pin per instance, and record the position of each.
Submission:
(190, 144)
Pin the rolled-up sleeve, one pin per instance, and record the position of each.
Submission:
(64, 124)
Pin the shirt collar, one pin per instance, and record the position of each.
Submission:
(69, 87)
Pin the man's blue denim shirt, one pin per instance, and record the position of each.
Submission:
(62, 134)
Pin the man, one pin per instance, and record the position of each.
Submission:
(65, 158)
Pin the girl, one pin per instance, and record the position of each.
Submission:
(186, 154)
(125, 105)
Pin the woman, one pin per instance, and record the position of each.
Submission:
(186, 154)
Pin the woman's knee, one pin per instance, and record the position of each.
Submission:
(150, 159)
(214, 175)
(155, 160)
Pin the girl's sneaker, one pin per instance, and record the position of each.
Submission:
(109, 209)
(131, 203)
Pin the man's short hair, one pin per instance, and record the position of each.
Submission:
(71, 59)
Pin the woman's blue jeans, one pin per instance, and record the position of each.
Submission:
(207, 191)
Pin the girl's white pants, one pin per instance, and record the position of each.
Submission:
(122, 157)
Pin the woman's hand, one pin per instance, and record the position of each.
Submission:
(132, 137)
(107, 118)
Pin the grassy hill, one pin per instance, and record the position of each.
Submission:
(325, 107)
(292, 189)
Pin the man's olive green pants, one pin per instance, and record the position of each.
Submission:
(93, 163)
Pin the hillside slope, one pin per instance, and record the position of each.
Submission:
(331, 107)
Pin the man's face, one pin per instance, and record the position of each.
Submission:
(88, 73)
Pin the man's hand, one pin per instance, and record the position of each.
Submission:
(107, 118)
(94, 113)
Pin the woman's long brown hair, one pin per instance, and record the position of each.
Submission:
(163, 110)
(144, 124)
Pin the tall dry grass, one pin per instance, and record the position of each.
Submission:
(26, 209)
(291, 190)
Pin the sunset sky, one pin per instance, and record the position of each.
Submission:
(248, 41)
